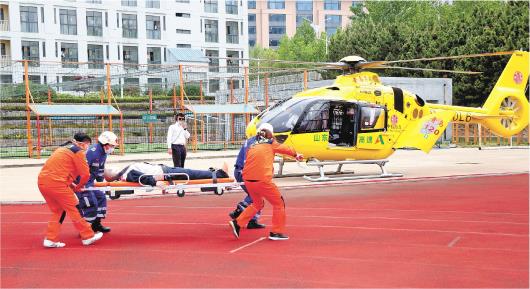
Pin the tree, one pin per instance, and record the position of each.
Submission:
(304, 45)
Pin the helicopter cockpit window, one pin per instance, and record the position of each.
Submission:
(315, 119)
(284, 116)
(372, 118)
(274, 106)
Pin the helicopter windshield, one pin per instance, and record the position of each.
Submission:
(284, 116)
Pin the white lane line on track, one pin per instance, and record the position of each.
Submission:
(249, 244)
(420, 211)
(310, 216)
(318, 227)
(452, 243)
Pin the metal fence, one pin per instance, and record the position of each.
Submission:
(148, 97)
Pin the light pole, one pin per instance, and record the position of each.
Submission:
(316, 28)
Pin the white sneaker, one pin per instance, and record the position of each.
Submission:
(92, 240)
(50, 244)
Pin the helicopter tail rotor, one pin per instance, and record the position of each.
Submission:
(507, 100)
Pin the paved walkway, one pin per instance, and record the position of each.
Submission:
(18, 177)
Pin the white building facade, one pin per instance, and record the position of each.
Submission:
(129, 32)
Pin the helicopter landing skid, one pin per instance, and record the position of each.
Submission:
(323, 177)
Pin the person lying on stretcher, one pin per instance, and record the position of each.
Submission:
(152, 174)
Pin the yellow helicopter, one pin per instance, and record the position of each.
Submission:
(359, 118)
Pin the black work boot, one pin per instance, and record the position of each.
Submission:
(98, 227)
(253, 224)
(235, 228)
(235, 213)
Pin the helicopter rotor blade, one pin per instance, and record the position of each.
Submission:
(426, 69)
(379, 63)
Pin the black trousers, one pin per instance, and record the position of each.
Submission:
(178, 152)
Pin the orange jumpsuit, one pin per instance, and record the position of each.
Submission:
(257, 174)
(55, 178)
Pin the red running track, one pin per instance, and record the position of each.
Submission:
(445, 233)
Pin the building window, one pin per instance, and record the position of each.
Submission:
(34, 78)
(276, 4)
(304, 5)
(94, 23)
(184, 15)
(154, 57)
(213, 85)
(95, 56)
(276, 29)
(153, 26)
(93, 1)
(231, 6)
(211, 30)
(130, 54)
(43, 49)
(183, 45)
(251, 29)
(210, 6)
(183, 31)
(30, 51)
(301, 18)
(130, 3)
(304, 10)
(129, 25)
(69, 54)
(155, 83)
(251, 4)
(6, 78)
(332, 23)
(331, 4)
(232, 32)
(152, 3)
(232, 61)
(107, 51)
(29, 19)
(41, 14)
(213, 56)
(68, 20)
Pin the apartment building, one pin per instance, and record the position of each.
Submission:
(269, 20)
(119, 31)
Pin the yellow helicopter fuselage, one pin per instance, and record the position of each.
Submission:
(359, 118)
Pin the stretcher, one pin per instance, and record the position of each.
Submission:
(216, 185)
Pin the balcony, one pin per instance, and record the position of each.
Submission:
(4, 25)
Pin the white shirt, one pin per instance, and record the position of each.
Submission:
(176, 134)
(147, 169)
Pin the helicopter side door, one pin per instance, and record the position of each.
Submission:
(343, 125)
(372, 127)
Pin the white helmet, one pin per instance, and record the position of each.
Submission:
(266, 126)
(108, 137)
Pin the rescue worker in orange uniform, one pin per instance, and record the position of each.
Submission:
(56, 186)
(257, 174)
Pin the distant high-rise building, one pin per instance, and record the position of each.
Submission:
(269, 20)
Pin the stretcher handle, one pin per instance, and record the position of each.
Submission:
(165, 174)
